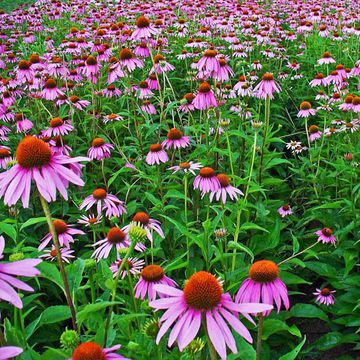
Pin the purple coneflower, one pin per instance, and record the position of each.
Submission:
(134, 265)
(148, 107)
(203, 300)
(264, 285)
(58, 127)
(50, 91)
(104, 202)
(144, 30)
(285, 210)
(266, 87)
(151, 275)
(77, 103)
(115, 238)
(91, 351)
(99, 149)
(5, 157)
(319, 80)
(64, 233)
(187, 166)
(187, 103)
(90, 220)
(226, 189)
(37, 163)
(156, 155)
(209, 64)
(325, 296)
(207, 181)
(326, 236)
(204, 98)
(127, 60)
(9, 352)
(176, 140)
(8, 277)
(144, 91)
(326, 59)
(65, 253)
(148, 224)
(314, 133)
(161, 65)
(305, 110)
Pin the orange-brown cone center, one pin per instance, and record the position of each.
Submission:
(99, 194)
(268, 77)
(55, 122)
(155, 147)
(264, 271)
(224, 180)
(325, 291)
(115, 235)
(60, 226)
(141, 217)
(305, 105)
(202, 291)
(33, 152)
(204, 87)
(207, 172)
(327, 232)
(152, 273)
(97, 142)
(88, 351)
(4, 153)
(142, 22)
(125, 54)
(174, 134)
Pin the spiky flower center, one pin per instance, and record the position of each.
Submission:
(4, 153)
(97, 142)
(174, 134)
(210, 53)
(189, 97)
(325, 292)
(125, 54)
(327, 231)
(33, 152)
(184, 165)
(223, 180)
(207, 172)
(202, 291)
(56, 122)
(50, 84)
(356, 100)
(268, 77)
(326, 55)
(34, 58)
(204, 87)
(91, 60)
(60, 226)
(99, 194)
(152, 273)
(142, 22)
(313, 129)
(155, 147)
(24, 65)
(264, 271)
(53, 253)
(305, 105)
(286, 207)
(141, 217)
(158, 58)
(88, 351)
(115, 235)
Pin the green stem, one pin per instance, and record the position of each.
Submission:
(213, 354)
(46, 209)
(267, 120)
(186, 218)
(259, 334)
(297, 254)
(230, 155)
(92, 287)
(113, 296)
(238, 218)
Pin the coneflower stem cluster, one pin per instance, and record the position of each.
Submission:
(69, 300)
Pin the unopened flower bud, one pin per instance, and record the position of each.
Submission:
(16, 257)
(69, 339)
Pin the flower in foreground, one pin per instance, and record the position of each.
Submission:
(156, 155)
(151, 275)
(305, 110)
(207, 181)
(37, 163)
(92, 351)
(104, 201)
(226, 189)
(285, 210)
(175, 140)
(325, 236)
(8, 352)
(64, 233)
(266, 87)
(203, 299)
(264, 285)
(9, 273)
(325, 296)
(147, 223)
(65, 253)
(99, 149)
(134, 265)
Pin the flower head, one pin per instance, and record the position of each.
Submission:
(92, 351)
(325, 296)
(325, 236)
(175, 140)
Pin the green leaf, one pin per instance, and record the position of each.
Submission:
(307, 311)
(54, 314)
(273, 326)
(74, 274)
(252, 226)
(50, 272)
(241, 247)
(33, 221)
(88, 309)
(293, 353)
(9, 230)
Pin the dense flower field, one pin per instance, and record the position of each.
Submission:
(180, 180)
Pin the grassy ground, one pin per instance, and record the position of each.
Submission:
(9, 5)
